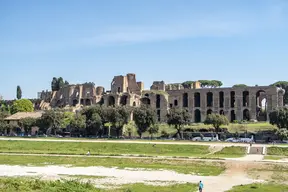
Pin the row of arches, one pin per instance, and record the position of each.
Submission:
(123, 100)
(210, 99)
(245, 115)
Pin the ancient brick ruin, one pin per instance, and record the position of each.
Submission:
(237, 103)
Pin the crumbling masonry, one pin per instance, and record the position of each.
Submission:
(239, 103)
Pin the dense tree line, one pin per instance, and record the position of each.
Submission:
(239, 85)
(210, 83)
(279, 117)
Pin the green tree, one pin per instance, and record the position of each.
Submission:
(67, 118)
(239, 85)
(283, 85)
(144, 117)
(188, 84)
(210, 83)
(66, 83)
(178, 117)
(94, 124)
(53, 118)
(282, 134)
(60, 83)
(118, 117)
(129, 128)
(279, 117)
(27, 124)
(78, 123)
(19, 92)
(54, 86)
(22, 105)
(154, 129)
(216, 120)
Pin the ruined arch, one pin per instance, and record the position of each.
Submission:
(246, 115)
(209, 99)
(232, 116)
(261, 105)
(145, 101)
(197, 99)
(209, 111)
(232, 99)
(197, 116)
(221, 99)
(124, 100)
(245, 96)
(111, 101)
(185, 100)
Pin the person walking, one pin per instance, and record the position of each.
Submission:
(201, 186)
(88, 153)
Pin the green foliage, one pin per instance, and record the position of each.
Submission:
(67, 118)
(58, 83)
(78, 123)
(239, 85)
(3, 124)
(188, 84)
(283, 85)
(52, 118)
(19, 92)
(27, 124)
(22, 105)
(144, 117)
(279, 117)
(210, 83)
(260, 187)
(216, 120)
(30, 185)
(129, 128)
(282, 134)
(94, 124)
(154, 129)
(178, 117)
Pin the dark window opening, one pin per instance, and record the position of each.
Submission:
(197, 116)
(197, 100)
(175, 102)
(232, 99)
(246, 115)
(158, 101)
(185, 100)
(209, 99)
(221, 99)
(159, 115)
(245, 95)
(232, 116)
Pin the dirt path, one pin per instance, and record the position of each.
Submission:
(222, 144)
(127, 176)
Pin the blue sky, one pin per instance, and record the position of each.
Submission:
(239, 41)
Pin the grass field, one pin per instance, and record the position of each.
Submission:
(273, 157)
(280, 151)
(78, 148)
(229, 152)
(180, 166)
(269, 187)
(35, 185)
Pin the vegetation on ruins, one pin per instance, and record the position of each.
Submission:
(216, 120)
(19, 92)
(144, 118)
(178, 117)
(240, 85)
(22, 105)
(283, 85)
(154, 129)
(188, 84)
(210, 83)
(58, 83)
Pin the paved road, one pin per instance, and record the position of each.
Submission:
(140, 142)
